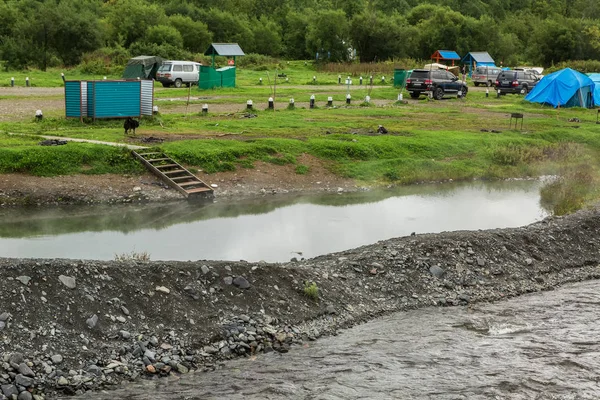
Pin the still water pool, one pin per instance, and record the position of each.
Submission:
(272, 228)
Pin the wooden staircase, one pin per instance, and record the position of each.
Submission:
(173, 174)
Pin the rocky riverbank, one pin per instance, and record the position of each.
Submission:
(68, 326)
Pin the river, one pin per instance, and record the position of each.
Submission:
(272, 228)
(538, 346)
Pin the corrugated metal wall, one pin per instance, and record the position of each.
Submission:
(147, 97)
(117, 99)
(109, 99)
(73, 99)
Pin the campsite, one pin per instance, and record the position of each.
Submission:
(295, 199)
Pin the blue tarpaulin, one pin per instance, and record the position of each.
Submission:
(596, 79)
(564, 88)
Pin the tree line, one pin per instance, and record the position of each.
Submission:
(46, 33)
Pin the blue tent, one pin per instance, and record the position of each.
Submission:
(564, 88)
(596, 79)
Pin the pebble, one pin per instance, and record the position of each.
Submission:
(228, 280)
(68, 281)
(62, 381)
(241, 282)
(56, 359)
(124, 334)
(437, 271)
(24, 279)
(92, 321)
(163, 289)
(25, 395)
(25, 370)
(205, 269)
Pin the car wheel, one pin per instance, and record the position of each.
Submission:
(178, 83)
(524, 90)
(476, 83)
(415, 95)
(464, 91)
(438, 93)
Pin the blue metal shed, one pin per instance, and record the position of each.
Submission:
(478, 59)
(109, 99)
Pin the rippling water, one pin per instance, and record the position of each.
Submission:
(540, 346)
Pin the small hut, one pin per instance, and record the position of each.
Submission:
(445, 56)
(476, 59)
(211, 77)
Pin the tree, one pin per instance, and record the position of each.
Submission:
(267, 37)
(328, 35)
(130, 19)
(164, 34)
(294, 36)
(379, 37)
(229, 28)
(195, 34)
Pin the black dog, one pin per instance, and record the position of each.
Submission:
(130, 125)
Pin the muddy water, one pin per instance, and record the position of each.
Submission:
(273, 228)
(540, 346)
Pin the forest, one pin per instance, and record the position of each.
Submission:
(99, 33)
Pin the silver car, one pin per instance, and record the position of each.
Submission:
(485, 76)
(178, 73)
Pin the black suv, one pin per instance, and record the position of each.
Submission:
(510, 81)
(437, 81)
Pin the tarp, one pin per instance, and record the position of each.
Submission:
(452, 69)
(143, 67)
(596, 79)
(564, 88)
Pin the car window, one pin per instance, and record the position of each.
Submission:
(420, 74)
(165, 68)
(450, 75)
(188, 68)
(177, 68)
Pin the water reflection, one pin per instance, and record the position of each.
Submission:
(271, 228)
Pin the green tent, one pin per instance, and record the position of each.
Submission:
(143, 67)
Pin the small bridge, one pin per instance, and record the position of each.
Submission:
(173, 174)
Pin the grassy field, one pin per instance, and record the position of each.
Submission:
(427, 140)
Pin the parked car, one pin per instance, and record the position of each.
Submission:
(538, 71)
(512, 81)
(437, 82)
(485, 76)
(178, 73)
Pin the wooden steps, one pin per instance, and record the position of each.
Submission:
(173, 174)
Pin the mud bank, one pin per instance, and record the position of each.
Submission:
(68, 326)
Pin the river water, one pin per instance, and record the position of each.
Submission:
(272, 228)
(541, 346)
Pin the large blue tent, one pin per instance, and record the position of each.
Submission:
(596, 79)
(564, 88)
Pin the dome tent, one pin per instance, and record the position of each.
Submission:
(596, 79)
(564, 88)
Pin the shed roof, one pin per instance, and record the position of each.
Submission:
(445, 55)
(480, 57)
(224, 49)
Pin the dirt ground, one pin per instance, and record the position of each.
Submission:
(264, 178)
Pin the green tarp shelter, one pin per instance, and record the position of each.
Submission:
(143, 67)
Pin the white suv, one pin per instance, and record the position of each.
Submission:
(178, 73)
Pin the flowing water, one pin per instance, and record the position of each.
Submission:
(273, 228)
(541, 346)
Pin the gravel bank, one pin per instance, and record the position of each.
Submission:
(68, 326)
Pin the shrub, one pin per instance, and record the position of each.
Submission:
(311, 290)
(302, 169)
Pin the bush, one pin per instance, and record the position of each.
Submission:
(584, 66)
(311, 290)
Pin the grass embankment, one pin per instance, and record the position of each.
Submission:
(427, 140)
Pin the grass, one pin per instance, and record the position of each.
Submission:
(311, 290)
(427, 141)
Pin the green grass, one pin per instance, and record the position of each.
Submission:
(427, 141)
